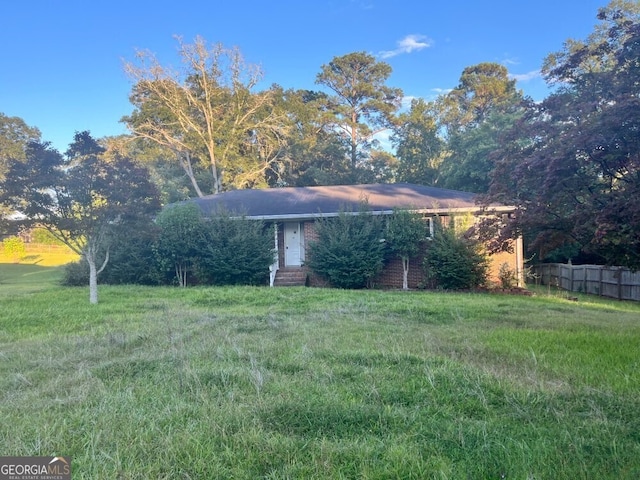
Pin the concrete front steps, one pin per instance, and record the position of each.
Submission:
(291, 277)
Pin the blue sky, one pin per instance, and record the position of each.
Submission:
(61, 60)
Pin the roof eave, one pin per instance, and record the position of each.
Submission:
(487, 210)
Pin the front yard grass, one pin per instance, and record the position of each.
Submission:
(250, 383)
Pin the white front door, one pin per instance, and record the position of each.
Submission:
(292, 245)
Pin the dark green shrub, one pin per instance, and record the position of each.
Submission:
(453, 262)
(237, 251)
(132, 260)
(350, 249)
(76, 274)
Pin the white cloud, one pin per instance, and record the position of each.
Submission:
(510, 61)
(408, 44)
(525, 77)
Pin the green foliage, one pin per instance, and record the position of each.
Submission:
(469, 165)
(236, 251)
(220, 250)
(133, 260)
(75, 274)
(15, 134)
(132, 257)
(453, 262)
(13, 247)
(361, 103)
(405, 233)
(181, 239)
(84, 199)
(209, 118)
(419, 147)
(484, 89)
(350, 249)
(571, 162)
(507, 276)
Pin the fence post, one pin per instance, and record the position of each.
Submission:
(620, 283)
(570, 277)
(601, 269)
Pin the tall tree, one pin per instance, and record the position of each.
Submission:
(166, 174)
(482, 90)
(469, 164)
(572, 164)
(314, 153)
(209, 116)
(361, 105)
(473, 116)
(15, 134)
(419, 146)
(84, 201)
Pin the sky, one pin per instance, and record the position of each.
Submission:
(61, 61)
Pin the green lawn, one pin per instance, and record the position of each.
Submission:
(247, 383)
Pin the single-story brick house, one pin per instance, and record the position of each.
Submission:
(294, 210)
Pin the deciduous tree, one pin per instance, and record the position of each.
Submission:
(208, 116)
(83, 200)
(406, 233)
(15, 134)
(314, 153)
(572, 164)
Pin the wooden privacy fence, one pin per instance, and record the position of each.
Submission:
(614, 282)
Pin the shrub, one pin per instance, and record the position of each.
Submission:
(131, 261)
(453, 262)
(76, 274)
(349, 251)
(507, 276)
(14, 248)
(236, 251)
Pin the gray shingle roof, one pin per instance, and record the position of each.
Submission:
(309, 202)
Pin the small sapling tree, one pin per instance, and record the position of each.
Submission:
(181, 239)
(406, 232)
